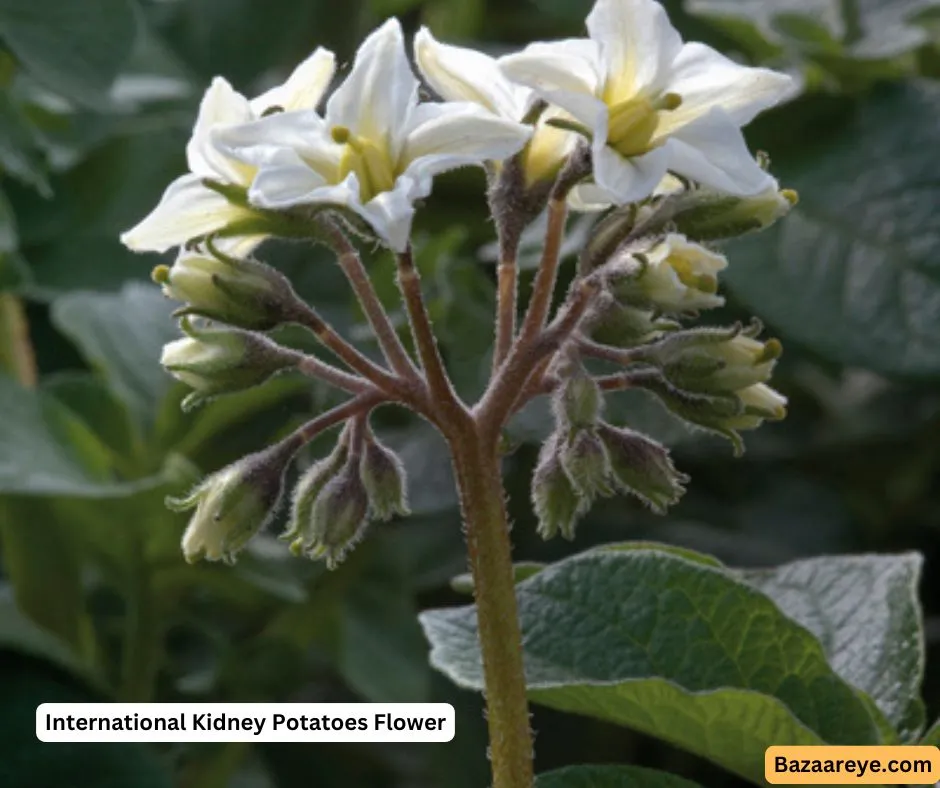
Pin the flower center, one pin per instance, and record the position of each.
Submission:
(632, 123)
(369, 161)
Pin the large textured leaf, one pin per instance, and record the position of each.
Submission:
(45, 449)
(74, 48)
(864, 610)
(854, 271)
(122, 334)
(610, 777)
(670, 647)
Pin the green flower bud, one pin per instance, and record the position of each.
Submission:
(724, 414)
(620, 326)
(584, 458)
(234, 504)
(578, 401)
(674, 276)
(557, 504)
(383, 475)
(337, 519)
(706, 215)
(716, 361)
(243, 293)
(642, 467)
(214, 361)
(302, 529)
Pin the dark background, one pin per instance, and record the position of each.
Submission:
(95, 600)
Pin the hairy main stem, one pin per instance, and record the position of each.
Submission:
(482, 499)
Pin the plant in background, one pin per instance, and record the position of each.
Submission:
(631, 123)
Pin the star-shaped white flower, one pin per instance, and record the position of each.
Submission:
(652, 104)
(376, 150)
(188, 208)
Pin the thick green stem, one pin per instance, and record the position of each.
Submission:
(490, 552)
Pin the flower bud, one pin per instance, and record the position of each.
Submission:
(724, 414)
(300, 529)
(557, 504)
(337, 518)
(584, 458)
(716, 361)
(620, 326)
(243, 293)
(234, 504)
(674, 276)
(214, 361)
(577, 401)
(383, 475)
(642, 467)
(706, 215)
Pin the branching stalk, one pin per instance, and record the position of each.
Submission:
(506, 305)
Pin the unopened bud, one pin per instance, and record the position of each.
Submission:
(642, 467)
(557, 504)
(214, 361)
(724, 414)
(383, 475)
(302, 530)
(674, 276)
(243, 293)
(706, 215)
(716, 360)
(577, 401)
(234, 504)
(620, 326)
(338, 517)
(584, 458)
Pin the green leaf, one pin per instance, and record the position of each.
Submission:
(45, 449)
(932, 736)
(610, 777)
(76, 49)
(672, 648)
(122, 334)
(18, 154)
(865, 612)
(26, 762)
(854, 271)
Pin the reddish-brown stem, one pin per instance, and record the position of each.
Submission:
(507, 298)
(482, 498)
(442, 392)
(352, 267)
(352, 357)
(315, 368)
(357, 406)
(544, 286)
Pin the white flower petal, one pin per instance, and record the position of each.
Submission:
(629, 179)
(280, 186)
(455, 134)
(638, 43)
(712, 151)
(376, 98)
(588, 198)
(704, 79)
(221, 105)
(461, 74)
(572, 65)
(296, 135)
(391, 214)
(304, 87)
(187, 210)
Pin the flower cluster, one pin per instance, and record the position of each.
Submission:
(629, 123)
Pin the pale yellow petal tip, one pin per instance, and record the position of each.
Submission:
(160, 274)
(790, 196)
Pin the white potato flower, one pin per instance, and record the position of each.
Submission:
(376, 149)
(188, 208)
(652, 104)
(463, 74)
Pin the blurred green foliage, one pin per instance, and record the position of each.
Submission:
(96, 102)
